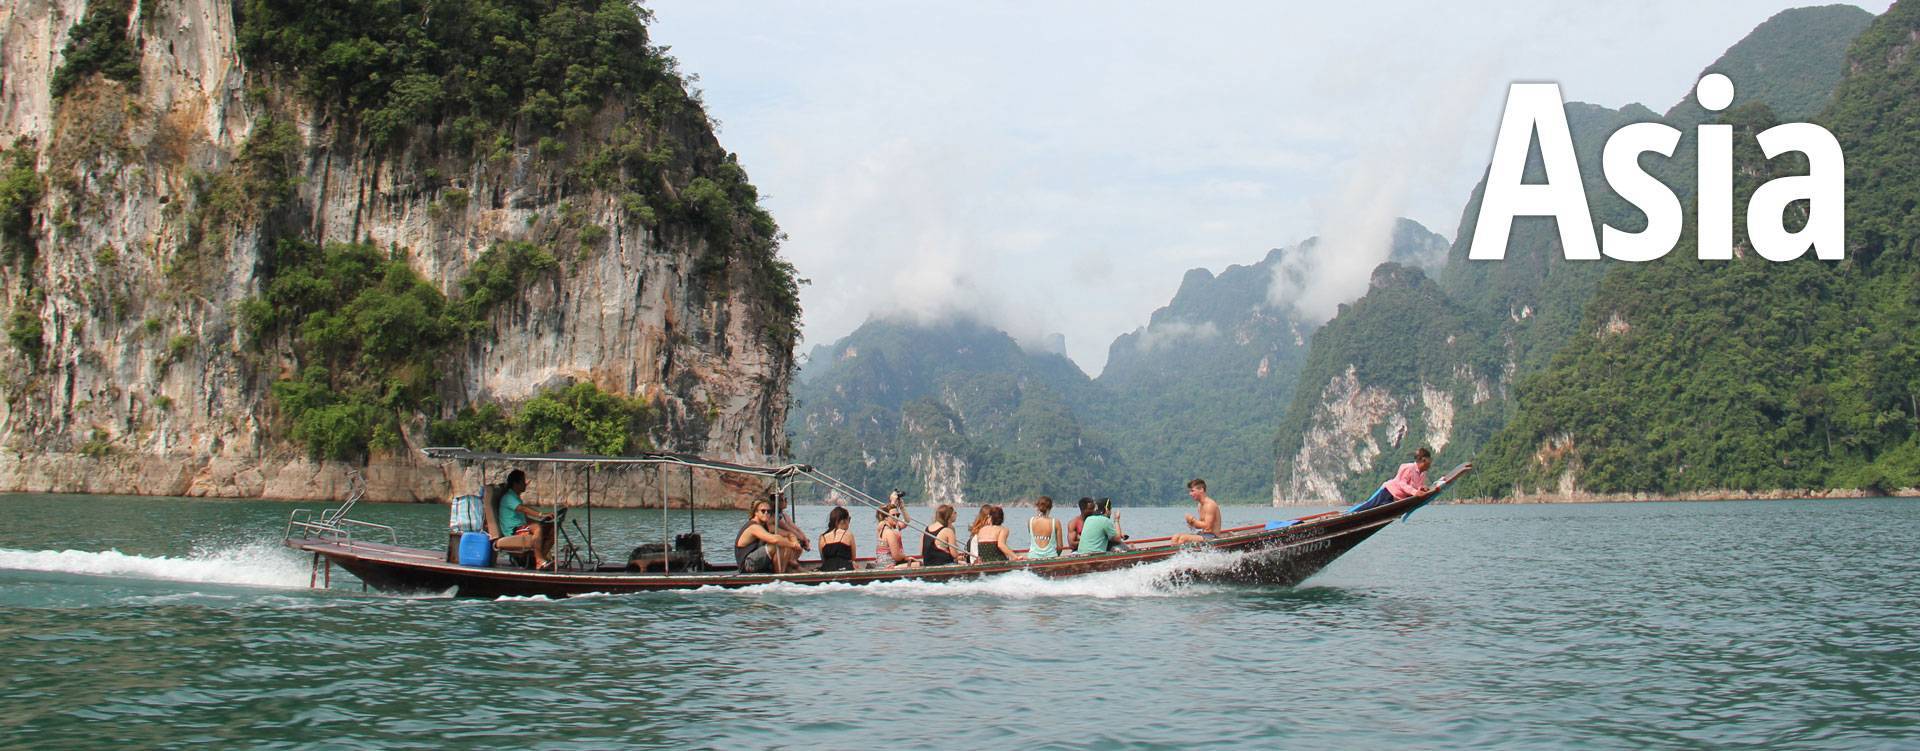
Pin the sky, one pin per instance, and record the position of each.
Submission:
(1056, 167)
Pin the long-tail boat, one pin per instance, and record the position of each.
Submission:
(1279, 553)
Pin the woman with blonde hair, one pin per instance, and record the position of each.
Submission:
(993, 538)
(980, 521)
(890, 550)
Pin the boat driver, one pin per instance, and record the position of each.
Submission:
(527, 529)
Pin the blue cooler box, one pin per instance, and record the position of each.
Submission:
(476, 550)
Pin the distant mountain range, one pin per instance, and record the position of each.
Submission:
(1566, 379)
(958, 410)
(955, 411)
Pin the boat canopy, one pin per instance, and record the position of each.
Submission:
(456, 453)
(784, 477)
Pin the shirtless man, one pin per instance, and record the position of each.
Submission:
(1206, 526)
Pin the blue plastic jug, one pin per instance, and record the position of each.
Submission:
(476, 549)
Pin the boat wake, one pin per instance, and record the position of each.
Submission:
(1174, 577)
(259, 564)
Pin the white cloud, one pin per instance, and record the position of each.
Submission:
(1356, 223)
(1159, 335)
(1057, 167)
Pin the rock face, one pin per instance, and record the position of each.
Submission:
(1395, 370)
(145, 381)
(1198, 390)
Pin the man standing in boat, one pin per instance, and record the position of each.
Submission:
(1206, 526)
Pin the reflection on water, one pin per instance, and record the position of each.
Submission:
(156, 624)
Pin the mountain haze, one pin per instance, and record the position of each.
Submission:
(958, 411)
(951, 412)
(1199, 390)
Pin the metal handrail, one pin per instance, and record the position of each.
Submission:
(333, 524)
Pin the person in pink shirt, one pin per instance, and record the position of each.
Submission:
(1410, 481)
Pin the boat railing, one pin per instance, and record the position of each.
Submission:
(333, 525)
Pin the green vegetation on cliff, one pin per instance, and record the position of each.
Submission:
(477, 78)
(20, 191)
(396, 65)
(367, 333)
(98, 45)
(466, 88)
(1752, 375)
(580, 416)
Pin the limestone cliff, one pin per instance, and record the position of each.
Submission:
(1393, 371)
(144, 233)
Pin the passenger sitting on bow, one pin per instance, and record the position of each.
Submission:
(758, 549)
(1409, 481)
(517, 527)
(993, 537)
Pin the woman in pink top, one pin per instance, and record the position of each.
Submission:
(888, 550)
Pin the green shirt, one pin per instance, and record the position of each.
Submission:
(1097, 534)
(510, 516)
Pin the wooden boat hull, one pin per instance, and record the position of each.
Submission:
(1271, 557)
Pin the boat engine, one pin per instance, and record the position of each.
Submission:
(685, 555)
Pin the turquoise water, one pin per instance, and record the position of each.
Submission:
(160, 623)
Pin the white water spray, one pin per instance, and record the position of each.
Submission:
(1168, 578)
(259, 564)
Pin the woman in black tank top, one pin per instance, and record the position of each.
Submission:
(934, 550)
(836, 544)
